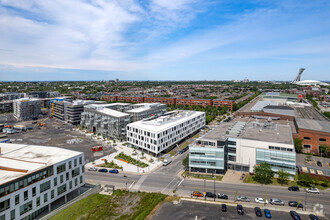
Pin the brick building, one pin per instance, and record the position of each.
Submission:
(111, 98)
(314, 134)
(218, 102)
(163, 100)
(130, 99)
(202, 102)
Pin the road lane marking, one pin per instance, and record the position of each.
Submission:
(180, 182)
(139, 182)
(131, 185)
(168, 184)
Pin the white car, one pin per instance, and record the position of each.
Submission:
(312, 190)
(92, 169)
(261, 200)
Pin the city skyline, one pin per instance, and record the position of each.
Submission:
(163, 40)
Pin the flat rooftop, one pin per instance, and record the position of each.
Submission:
(259, 130)
(308, 112)
(315, 125)
(144, 107)
(29, 158)
(107, 111)
(166, 121)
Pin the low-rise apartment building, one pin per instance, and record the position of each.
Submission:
(163, 100)
(33, 177)
(202, 102)
(26, 109)
(157, 134)
(241, 145)
(6, 106)
(222, 103)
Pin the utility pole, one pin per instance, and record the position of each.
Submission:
(214, 186)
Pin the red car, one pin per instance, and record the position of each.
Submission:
(198, 194)
(99, 148)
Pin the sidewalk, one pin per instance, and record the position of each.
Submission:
(127, 167)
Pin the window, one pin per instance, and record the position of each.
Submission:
(70, 185)
(17, 199)
(52, 194)
(61, 179)
(70, 164)
(4, 205)
(322, 139)
(81, 179)
(61, 168)
(12, 214)
(80, 160)
(307, 138)
(55, 181)
(26, 195)
(44, 186)
(67, 176)
(76, 182)
(38, 201)
(75, 162)
(45, 197)
(82, 169)
(25, 208)
(3, 217)
(75, 172)
(34, 191)
(61, 189)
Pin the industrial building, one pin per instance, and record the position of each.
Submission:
(26, 109)
(157, 134)
(110, 120)
(33, 177)
(242, 144)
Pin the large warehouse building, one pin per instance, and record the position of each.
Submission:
(33, 177)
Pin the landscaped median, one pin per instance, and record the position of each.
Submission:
(128, 159)
(120, 205)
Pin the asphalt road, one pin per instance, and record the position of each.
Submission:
(166, 180)
(194, 210)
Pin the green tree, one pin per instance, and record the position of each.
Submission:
(298, 144)
(263, 173)
(305, 180)
(185, 162)
(283, 177)
(324, 150)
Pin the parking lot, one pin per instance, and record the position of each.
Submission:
(198, 210)
(312, 166)
(59, 134)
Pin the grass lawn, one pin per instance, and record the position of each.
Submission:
(121, 205)
(202, 176)
(249, 179)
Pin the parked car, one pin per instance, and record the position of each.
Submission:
(267, 213)
(295, 215)
(92, 169)
(114, 171)
(275, 201)
(313, 217)
(222, 196)
(210, 195)
(224, 207)
(103, 170)
(261, 200)
(240, 210)
(242, 177)
(198, 194)
(295, 204)
(312, 190)
(258, 212)
(181, 152)
(243, 199)
(319, 163)
(293, 188)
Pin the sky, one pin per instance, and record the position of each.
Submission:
(164, 39)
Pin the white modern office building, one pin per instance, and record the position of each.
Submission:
(33, 177)
(26, 108)
(240, 145)
(156, 134)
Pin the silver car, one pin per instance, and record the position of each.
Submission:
(92, 169)
(275, 201)
(243, 199)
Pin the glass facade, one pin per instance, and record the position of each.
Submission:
(206, 158)
(278, 159)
